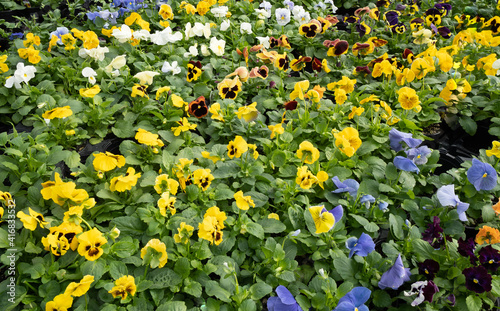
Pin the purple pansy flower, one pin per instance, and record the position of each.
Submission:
(366, 200)
(395, 276)
(396, 137)
(348, 185)
(419, 155)
(428, 268)
(466, 249)
(382, 205)
(283, 302)
(477, 279)
(447, 197)
(354, 300)
(405, 164)
(361, 247)
(482, 175)
(489, 258)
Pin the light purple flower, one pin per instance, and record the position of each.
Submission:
(395, 276)
(447, 197)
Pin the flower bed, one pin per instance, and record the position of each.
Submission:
(239, 155)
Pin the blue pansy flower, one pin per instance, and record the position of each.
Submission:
(283, 302)
(382, 205)
(16, 35)
(361, 247)
(348, 185)
(396, 137)
(366, 200)
(354, 300)
(405, 164)
(482, 175)
(395, 276)
(447, 197)
(419, 155)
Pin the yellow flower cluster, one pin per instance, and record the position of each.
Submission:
(211, 227)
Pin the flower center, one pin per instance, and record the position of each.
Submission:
(426, 271)
(485, 174)
(491, 261)
(476, 281)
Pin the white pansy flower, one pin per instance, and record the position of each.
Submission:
(496, 65)
(246, 28)
(217, 46)
(303, 18)
(264, 41)
(165, 36)
(97, 53)
(220, 11)
(297, 10)
(89, 73)
(225, 25)
(204, 50)
(193, 51)
(146, 77)
(262, 14)
(123, 34)
(282, 16)
(22, 74)
(142, 34)
(117, 63)
(174, 68)
(202, 30)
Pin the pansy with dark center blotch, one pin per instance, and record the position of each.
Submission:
(273, 42)
(416, 24)
(282, 62)
(444, 8)
(432, 16)
(489, 258)
(399, 28)
(340, 48)
(194, 71)
(494, 24)
(198, 107)
(477, 279)
(309, 30)
(299, 63)
(428, 268)
(383, 3)
(363, 29)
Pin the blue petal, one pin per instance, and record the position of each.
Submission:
(271, 302)
(361, 295)
(337, 212)
(285, 296)
(461, 208)
(405, 164)
(367, 198)
(345, 306)
(476, 172)
(366, 245)
(395, 276)
(446, 196)
(351, 242)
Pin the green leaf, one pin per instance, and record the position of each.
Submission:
(247, 305)
(72, 159)
(173, 306)
(259, 290)
(278, 158)
(32, 248)
(223, 192)
(272, 225)
(193, 288)
(163, 278)
(346, 268)
(474, 303)
(182, 267)
(212, 288)
(96, 268)
(117, 269)
(4, 239)
(488, 213)
(255, 229)
(391, 172)
(468, 124)
(396, 223)
(381, 299)
(422, 249)
(107, 194)
(369, 226)
(129, 225)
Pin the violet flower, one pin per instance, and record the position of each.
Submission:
(283, 302)
(354, 300)
(428, 268)
(482, 175)
(395, 276)
(447, 197)
(466, 249)
(489, 258)
(419, 155)
(433, 234)
(477, 279)
(396, 137)
(366, 200)
(348, 185)
(361, 247)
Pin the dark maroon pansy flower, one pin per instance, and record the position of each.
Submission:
(392, 17)
(429, 290)
(489, 258)
(291, 105)
(198, 107)
(317, 65)
(466, 249)
(428, 268)
(363, 69)
(477, 279)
